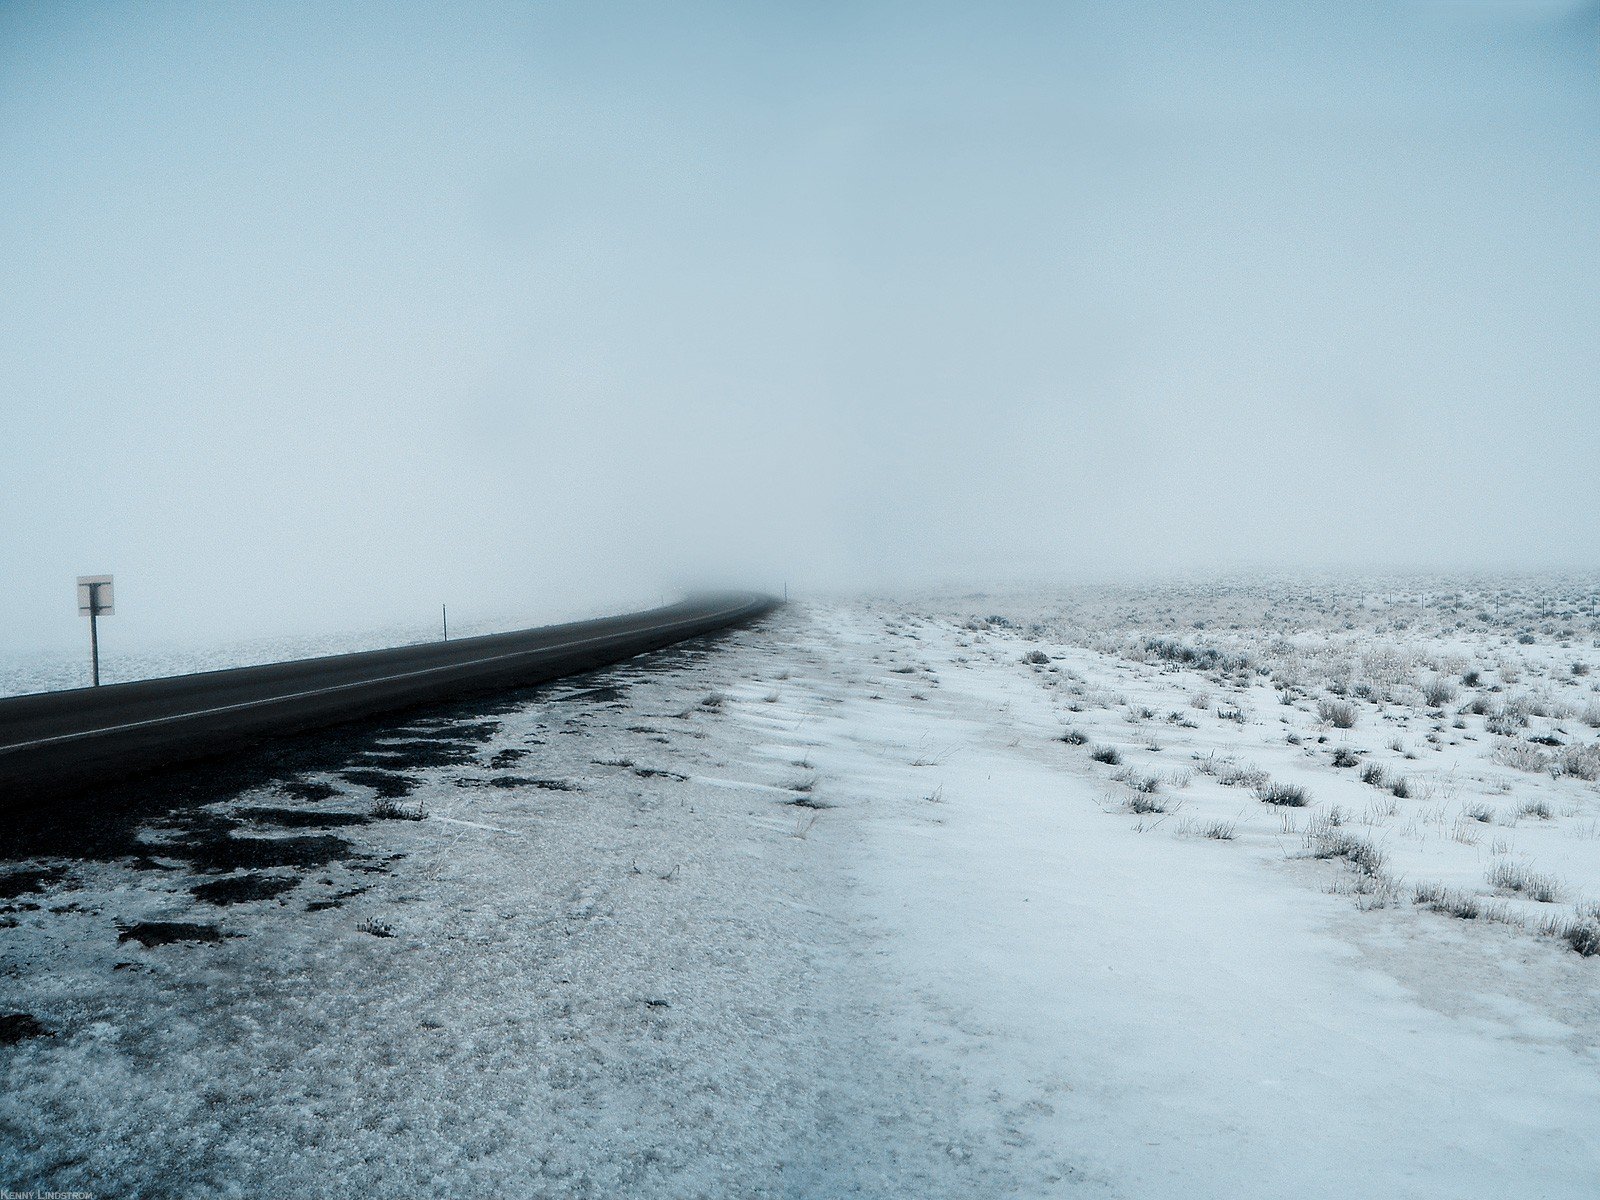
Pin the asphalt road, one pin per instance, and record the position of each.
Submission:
(59, 743)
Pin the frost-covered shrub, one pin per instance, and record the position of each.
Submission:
(1521, 757)
(1580, 761)
(1146, 785)
(1240, 775)
(1456, 903)
(1582, 935)
(1515, 877)
(1438, 691)
(1341, 714)
(1504, 723)
(1518, 707)
(393, 810)
(1358, 851)
(1201, 658)
(1285, 795)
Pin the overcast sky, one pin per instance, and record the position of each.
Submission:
(316, 316)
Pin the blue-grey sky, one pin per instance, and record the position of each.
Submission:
(316, 315)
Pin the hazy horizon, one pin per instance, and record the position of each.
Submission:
(319, 318)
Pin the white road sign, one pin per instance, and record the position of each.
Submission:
(87, 593)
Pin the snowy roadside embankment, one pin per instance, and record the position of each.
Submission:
(827, 908)
(1179, 1015)
(608, 960)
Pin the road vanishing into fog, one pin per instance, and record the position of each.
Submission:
(57, 743)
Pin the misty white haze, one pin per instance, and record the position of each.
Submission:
(1039, 572)
(316, 320)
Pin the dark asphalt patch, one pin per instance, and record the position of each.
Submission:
(113, 822)
(219, 854)
(302, 818)
(420, 752)
(241, 888)
(162, 933)
(14, 1027)
(310, 789)
(17, 883)
(467, 731)
(606, 694)
(387, 784)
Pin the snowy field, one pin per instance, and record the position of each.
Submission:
(1250, 891)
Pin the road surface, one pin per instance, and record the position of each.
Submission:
(57, 743)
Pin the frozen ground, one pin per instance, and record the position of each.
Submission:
(829, 908)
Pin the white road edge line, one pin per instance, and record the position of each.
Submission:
(477, 662)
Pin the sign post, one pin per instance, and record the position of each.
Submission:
(95, 601)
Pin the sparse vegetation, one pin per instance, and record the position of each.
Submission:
(1231, 774)
(387, 809)
(1521, 757)
(1456, 903)
(1325, 840)
(1148, 785)
(1515, 877)
(1580, 932)
(1440, 672)
(1438, 691)
(1202, 658)
(1579, 761)
(1284, 795)
(1341, 714)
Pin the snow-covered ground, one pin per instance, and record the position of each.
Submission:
(828, 908)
